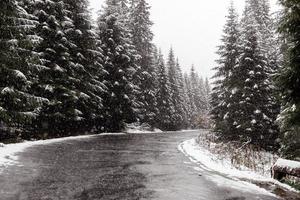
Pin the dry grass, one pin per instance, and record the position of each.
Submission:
(242, 156)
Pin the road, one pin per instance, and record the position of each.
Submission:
(114, 167)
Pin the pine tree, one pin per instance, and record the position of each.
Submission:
(18, 106)
(142, 36)
(190, 98)
(289, 81)
(86, 58)
(165, 108)
(221, 98)
(203, 97)
(207, 91)
(268, 42)
(120, 64)
(57, 79)
(252, 106)
(196, 88)
(188, 102)
(204, 88)
(183, 109)
(175, 93)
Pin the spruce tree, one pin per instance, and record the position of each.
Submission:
(120, 65)
(207, 91)
(86, 58)
(252, 106)
(268, 42)
(57, 79)
(221, 98)
(183, 107)
(18, 106)
(142, 36)
(192, 109)
(165, 108)
(175, 93)
(202, 95)
(196, 88)
(189, 104)
(289, 81)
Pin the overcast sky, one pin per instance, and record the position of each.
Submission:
(192, 27)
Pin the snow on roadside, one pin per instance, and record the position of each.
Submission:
(190, 130)
(105, 134)
(284, 163)
(209, 162)
(138, 131)
(138, 128)
(194, 150)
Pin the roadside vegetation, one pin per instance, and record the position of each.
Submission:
(241, 155)
(255, 97)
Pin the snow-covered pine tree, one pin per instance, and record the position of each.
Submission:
(175, 93)
(189, 103)
(200, 100)
(202, 96)
(120, 63)
(252, 106)
(196, 88)
(222, 97)
(142, 36)
(57, 76)
(267, 31)
(86, 59)
(268, 41)
(124, 10)
(17, 104)
(207, 91)
(289, 81)
(165, 108)
(182, 96)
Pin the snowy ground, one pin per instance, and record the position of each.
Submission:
(139, 131)
(137, 128)
(225, 173)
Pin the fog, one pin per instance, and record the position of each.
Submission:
(192, 27)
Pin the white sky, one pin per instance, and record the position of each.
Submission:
(192, 27)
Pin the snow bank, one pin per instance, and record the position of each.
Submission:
(137, 128)
(288, 167)
(209, 162)
(287, 163)
(104, 134)
(190, 130)
(137, 131)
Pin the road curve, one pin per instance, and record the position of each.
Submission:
(113, 167)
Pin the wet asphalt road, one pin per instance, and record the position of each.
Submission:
(122, 167)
